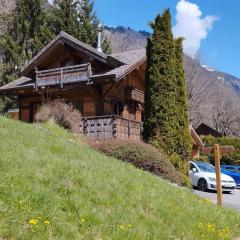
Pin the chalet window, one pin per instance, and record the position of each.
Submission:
(66, 62)
(78, 60)
(116, 108)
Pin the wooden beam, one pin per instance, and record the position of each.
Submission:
(140, 74)
(217, 157)
(218, 150)
(115, 86)
(223, 149)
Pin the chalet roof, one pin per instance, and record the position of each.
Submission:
(204, 129)
(72, 41)
(21, 82)
(131, 60)
(124, 62)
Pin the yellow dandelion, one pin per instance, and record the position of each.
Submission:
(46, 222)
(121, 227)
(33, 221)
(200, 225)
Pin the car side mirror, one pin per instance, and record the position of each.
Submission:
(194, 169)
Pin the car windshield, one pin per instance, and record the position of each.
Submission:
(204, 167)
(230, 169)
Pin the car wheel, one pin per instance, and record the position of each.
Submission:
(202, 185)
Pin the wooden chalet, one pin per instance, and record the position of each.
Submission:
(108, 90)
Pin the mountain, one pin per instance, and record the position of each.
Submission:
(125, 39)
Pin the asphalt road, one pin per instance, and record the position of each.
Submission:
(230, 200)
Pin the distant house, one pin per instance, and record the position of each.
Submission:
(107, 89)
(205, 130)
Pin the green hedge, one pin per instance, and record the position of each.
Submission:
(232, 158)
(143, 156)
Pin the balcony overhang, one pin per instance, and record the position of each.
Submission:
(65, 75)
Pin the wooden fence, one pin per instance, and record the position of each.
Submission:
(110, 127)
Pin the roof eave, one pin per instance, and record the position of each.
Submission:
(136, 65)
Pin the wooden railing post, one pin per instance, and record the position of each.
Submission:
(114, 128)
(218, 173)
(129, 133)
(61, 78)
(140, 133)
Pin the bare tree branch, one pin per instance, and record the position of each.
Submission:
(226, 116)
(197, 88)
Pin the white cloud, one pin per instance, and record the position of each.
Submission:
(191, 26)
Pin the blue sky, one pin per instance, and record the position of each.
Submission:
(219, 47)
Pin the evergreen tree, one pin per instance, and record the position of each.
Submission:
(160, 121)
(64, 17)
(106, 46)
(78, 19)
(88, 22)
(25, 36)
(89, 26)
(183, 136)
(166, 123)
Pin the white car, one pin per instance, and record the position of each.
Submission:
(203, 176)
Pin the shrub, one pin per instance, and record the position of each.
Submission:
(62, 113)
(182, 167)
(230, 158)
(141, 155)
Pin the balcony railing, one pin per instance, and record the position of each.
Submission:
(134, 94)
(110, 127)
(63, 75)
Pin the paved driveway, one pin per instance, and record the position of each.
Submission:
(230, 200)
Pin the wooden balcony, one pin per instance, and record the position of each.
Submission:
(110, 127)
(64, 75)
(134, 94)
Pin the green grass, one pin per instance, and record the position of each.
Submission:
(47, 174)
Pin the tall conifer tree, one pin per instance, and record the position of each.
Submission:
(88, 22)
(78, 19)
(25, 36)
(64, 17)
(166, 119)
(183, 135)
(160, 109)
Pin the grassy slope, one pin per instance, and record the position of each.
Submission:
(86, 195)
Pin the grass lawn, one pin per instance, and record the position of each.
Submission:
(53, 186)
